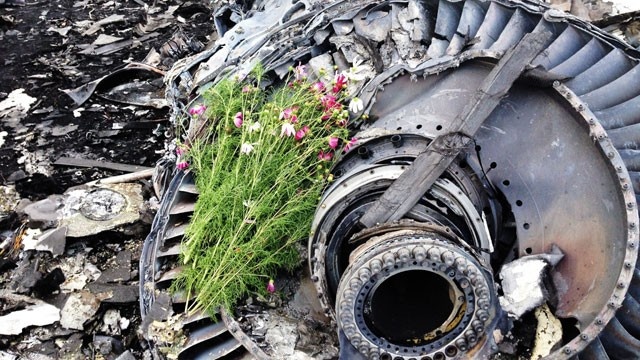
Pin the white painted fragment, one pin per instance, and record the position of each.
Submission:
(40, 314)
(16, 105)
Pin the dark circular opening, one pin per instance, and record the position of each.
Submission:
(409, 305)
(451, 351)
(519, 202)
(439, 127)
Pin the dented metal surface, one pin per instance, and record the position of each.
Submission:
(548, 168)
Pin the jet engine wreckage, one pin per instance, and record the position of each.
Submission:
(495, 174)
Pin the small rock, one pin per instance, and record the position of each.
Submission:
(79, 308)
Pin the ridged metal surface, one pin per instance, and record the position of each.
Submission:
(206, 338)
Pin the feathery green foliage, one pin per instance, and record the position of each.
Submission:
(259, 183)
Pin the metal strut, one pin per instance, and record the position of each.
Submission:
(406, 191)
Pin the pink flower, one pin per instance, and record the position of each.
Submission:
(350, 144)
(287, 113)
(333, 142)
(340, 82)
(182, 165)
(328, 102)
(180, 151)
(325, 156)
(197, 110)
(300, 72)
(247, 89)
(301, 133)
(287, 130)
(237, 121)
(294, 119)
(318, 87)
(271, 287)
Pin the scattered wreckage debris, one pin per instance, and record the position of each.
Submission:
(133, 79)
(373, 279)
(66, 286)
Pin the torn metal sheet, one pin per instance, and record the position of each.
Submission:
(37, 313)
(117, 46)
(180, 45)
(63, 130)
(53, 241)
(104, 39)
(156, 22)
(96, 26)
(134, 78)
(63, 31)
(78, 162)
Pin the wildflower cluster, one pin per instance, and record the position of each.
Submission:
(260, 168)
